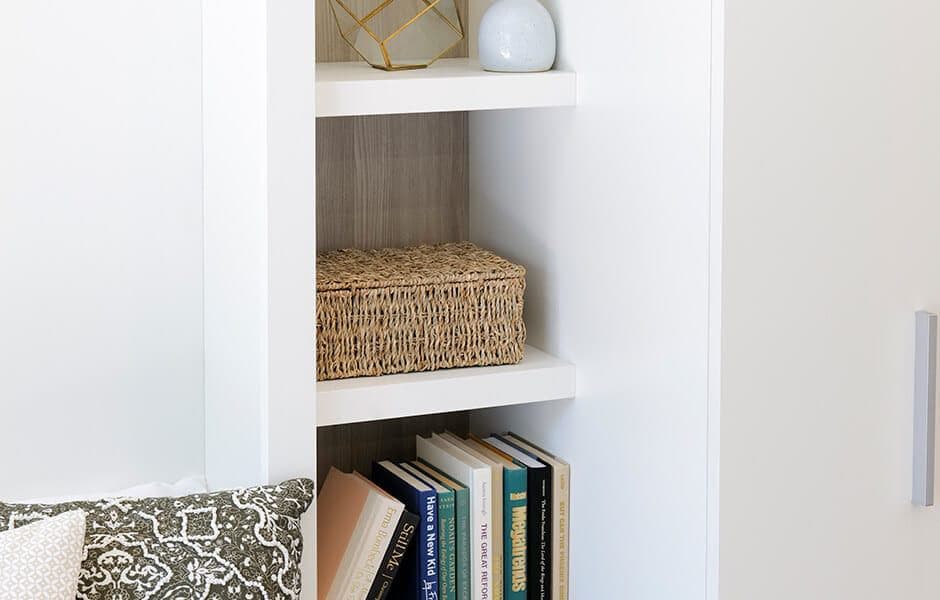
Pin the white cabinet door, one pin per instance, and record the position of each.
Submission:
(831, 243)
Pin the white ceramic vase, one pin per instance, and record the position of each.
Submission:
(517, 36)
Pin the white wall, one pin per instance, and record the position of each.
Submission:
(100, 244)
(607, 206)
(832, 241)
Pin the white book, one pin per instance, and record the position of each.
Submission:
(360, 573)
(496, 539)
(478, 477)
(390, 513)
(373, 534)
(561, 511)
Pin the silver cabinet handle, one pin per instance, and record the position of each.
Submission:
(925, 407)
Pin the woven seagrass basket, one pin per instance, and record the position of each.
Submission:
(399, 310)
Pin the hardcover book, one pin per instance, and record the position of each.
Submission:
(447, 533)
(462, 506)
(394, 555)
(561, 511)
(374, 546)
(496, 537)
(539, 526)
(515, 522)
(358, 521)
(464, 467)
(419, 572)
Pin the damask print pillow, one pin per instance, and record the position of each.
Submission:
(240, 544)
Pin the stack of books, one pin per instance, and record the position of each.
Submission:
(484, 518)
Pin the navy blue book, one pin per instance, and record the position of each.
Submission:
(418, 577)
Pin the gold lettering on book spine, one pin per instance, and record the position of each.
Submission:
(518, 537)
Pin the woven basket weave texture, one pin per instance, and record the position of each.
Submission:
(400, 310)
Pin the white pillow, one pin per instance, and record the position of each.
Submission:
(43, 559)
(183, 487)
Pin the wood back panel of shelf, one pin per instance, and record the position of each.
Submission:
(354, 447)
(392, 180)
(389, 181)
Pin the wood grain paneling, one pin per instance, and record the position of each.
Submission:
(392, 180)
(332, 48)
(385, 181)
(354, 447)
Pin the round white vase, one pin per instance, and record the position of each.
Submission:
(517, 36)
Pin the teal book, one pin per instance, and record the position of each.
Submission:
(515, 521)
(462, 522)
(447, 532)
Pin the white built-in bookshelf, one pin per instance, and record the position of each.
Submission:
(351, 156)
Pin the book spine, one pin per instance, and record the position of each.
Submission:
(480, 521)
(447, 545)
(540, 533)
(462, 501)
(428, 550)
(515, 525)
(496, 536)
(478, 478)
(391, 562)
(369, 559)
(562, 562)
(560, 506)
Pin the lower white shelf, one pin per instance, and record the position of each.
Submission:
(539, 377)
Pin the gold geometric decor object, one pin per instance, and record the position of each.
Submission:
(394, 35)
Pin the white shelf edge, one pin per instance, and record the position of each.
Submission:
(456, 84)
(540, 377)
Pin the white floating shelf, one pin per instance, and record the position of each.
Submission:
(539, 377)
(452, 84)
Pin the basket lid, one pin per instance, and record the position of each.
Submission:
(417, 265)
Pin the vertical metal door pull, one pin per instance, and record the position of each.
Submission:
(925, 407)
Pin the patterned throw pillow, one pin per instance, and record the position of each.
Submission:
(237, 544)
(42, 560)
